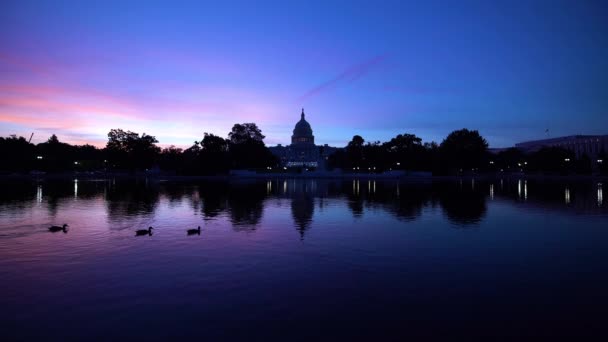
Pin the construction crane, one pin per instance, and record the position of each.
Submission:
(31, 136)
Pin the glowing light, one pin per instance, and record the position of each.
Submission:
(600, 195)
(567, 195)
(491, 191)
(39, 193)
(39, 157)
(519, 189)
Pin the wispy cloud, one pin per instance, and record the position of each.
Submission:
(351, 74)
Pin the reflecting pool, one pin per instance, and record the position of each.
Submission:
(303, 258)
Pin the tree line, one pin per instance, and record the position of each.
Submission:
(128, 151)
(461, 152)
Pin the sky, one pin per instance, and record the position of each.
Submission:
(177, 69)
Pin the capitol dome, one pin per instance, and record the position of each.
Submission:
(302, 133)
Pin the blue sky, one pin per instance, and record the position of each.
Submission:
(177, 69)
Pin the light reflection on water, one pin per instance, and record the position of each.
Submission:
(285, 248)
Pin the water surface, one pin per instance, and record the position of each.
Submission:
(303, 258)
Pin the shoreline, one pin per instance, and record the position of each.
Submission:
(324, 176)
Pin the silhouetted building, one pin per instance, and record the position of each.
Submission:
(303, 152)
(590, 145)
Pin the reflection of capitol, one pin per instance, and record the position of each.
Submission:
(303, 152)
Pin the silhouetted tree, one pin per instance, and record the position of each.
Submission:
(406, 151)
(56, 155)
(245, 133)
(354, 152)
(214, 154)
(463, 150)
(554, 160)
(17, 154)
(171, 158)
(128, 150)
(247, 149)
(511, 159)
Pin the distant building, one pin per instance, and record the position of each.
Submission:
(303, 152)
(590, 145)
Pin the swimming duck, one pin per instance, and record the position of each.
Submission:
(140, 232)
(55, 229)
(194, 231)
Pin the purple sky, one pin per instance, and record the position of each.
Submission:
(178, 69)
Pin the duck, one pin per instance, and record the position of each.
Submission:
(194, 231)
(140, 232)
(55, 229)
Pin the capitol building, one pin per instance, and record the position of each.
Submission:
(302, 152)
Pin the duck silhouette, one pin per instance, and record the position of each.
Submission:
(194, 231)
(141, 232)
(55, 229)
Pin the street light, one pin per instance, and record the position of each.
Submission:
(567, 159)
(39, 157)
(600, 161)
(491, 162)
